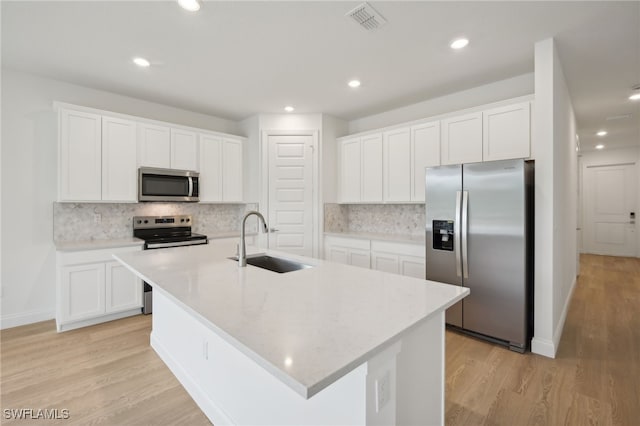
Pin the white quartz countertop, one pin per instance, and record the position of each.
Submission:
(309, 327)
(97, 244)
(399, 238)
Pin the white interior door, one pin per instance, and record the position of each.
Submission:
(610, 196)
(291, 193)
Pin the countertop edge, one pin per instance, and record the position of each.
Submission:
(404, 239)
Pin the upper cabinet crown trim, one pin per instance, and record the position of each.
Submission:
(477, 108)
(57, 105)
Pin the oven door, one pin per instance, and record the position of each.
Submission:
(167, 185)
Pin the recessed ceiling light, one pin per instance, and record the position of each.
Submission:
(459, 43)
(141, 62)
(190, 5)
(635, 97)
(289, 108)
(600, 146)
(602, 133)
(354, 83)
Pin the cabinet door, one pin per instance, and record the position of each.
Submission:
(371, 168)
(210, 168)
(123, 289)
(337, 254)
(82, 292)
(397, 165)
(154, 146)
(232, 182)
(361, 258)
(506, 132)
(350, 171)
(119, 177)
(386, 262)
(80, 156)
(462, 139)
(184, 150)
(425, 152)
(412, 266)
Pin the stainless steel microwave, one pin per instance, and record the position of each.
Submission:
(168, 185)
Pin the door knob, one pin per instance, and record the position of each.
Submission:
(273, 230)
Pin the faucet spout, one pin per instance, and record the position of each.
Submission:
(242, 249)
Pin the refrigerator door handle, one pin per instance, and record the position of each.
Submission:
(465, 233)
(456, 234)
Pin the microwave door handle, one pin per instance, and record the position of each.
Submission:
(190, 186)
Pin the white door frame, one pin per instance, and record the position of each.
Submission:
(317, 218)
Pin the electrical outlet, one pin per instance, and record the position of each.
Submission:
(383, 391)
(97, 218)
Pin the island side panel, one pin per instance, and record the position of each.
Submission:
(420, 374)
(230, 388)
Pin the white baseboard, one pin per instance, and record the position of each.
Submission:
(544, 347)
(24, 318)
(557, 334)
(549, 348)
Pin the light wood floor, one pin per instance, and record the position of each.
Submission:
(108, 374)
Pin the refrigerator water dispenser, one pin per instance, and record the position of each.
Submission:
(443, 235)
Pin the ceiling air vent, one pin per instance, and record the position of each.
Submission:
(367, 17)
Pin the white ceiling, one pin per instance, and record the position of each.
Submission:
(236, 59)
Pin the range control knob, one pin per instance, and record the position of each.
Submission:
(188, 220)
(182, 220)
(138, 221)
(146, 221)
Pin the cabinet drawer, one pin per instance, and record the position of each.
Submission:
(354, 243)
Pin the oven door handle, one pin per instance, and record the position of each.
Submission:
(175, 244)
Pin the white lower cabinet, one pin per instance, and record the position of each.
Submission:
(92, 288)
(397, 258)
(348, 251)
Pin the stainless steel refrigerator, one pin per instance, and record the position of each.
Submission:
(479, 235)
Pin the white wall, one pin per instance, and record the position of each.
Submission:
(29, 146)
(554, 131)
(612, 156)
(488, 93)
(332, 128)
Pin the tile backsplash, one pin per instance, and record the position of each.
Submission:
(77, 221)
(405, 219)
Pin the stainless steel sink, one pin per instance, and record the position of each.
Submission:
(274, 264)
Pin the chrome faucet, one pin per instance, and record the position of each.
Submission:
(242, 249)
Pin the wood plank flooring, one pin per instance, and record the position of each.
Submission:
(594, 380)
(108, 375)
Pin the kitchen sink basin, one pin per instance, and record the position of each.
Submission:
(274, 264)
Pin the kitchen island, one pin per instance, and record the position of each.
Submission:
(330, 344)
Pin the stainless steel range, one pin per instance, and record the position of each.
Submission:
(164, 232)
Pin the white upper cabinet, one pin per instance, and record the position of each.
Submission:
(397, 165)
(221, 169)
(350, 170)
(167, 148)
(462, 139)
(232, 183)
(80, 156)
(154, 144)
(119, 173)
(371, 179)
(210, 168)
(361, 169)
(506, 132)
(425, 152)
(184, 150)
